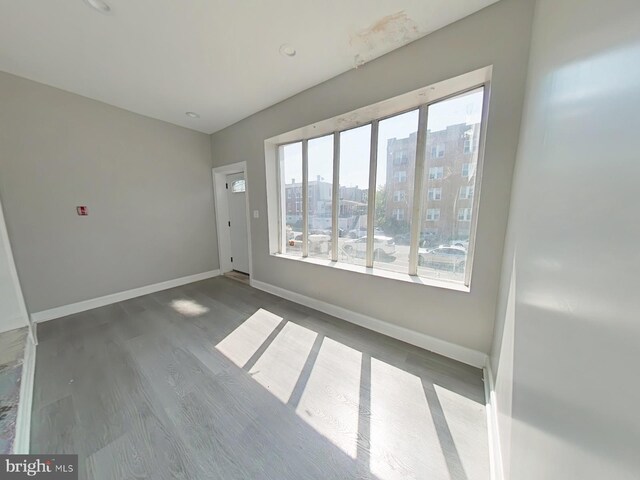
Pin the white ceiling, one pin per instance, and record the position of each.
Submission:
(219, 58)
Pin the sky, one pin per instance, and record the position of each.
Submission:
(355, 143)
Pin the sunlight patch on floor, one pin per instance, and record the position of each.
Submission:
(330, 401)
(459, 412)
(279, 367)
(189, 308)
(404, 441)
(240, 345)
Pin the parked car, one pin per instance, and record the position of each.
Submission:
(382, 247)
(443, 256)
(318, 243)
(460, 243)
(296, 241)
(291, 234)
(403, 238)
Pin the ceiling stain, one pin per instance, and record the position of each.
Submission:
(389, 32)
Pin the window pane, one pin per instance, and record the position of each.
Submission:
(394, 195)
(355, 147)
(320, 192)
(291, 180)
(453, 134)
(238, 186)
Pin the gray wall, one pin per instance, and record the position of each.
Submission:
(566, 349)
(147, 185)
(499, 36)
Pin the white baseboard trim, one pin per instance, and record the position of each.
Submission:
(442, 347)
(21, 444)
(495, 454)
(92, 303)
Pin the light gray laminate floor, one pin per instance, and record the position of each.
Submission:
(217, 380)
(12, 350)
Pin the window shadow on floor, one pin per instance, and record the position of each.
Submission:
(248, 385)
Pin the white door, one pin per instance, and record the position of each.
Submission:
(237, 200)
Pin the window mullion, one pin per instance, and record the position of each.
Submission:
(335, 193)
(418, 189)
(305, 198)
(371, 194)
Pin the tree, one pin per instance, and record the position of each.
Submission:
(381, 206)
(388, 224)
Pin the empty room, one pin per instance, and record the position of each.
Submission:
(291, 240)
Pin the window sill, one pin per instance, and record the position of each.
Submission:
(378, 272)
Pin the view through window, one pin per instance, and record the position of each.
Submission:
(355, 148)
(291, 183)
(394, 192)
(428, 217)
(454, 126)
(320, 196)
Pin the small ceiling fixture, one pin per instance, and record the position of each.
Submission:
(99, 5)
(287, 50)
(192, 115)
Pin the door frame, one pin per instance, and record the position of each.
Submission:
(13, 274)
(219, 175)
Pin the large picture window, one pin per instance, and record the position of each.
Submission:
(396, 194)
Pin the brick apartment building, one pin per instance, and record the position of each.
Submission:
(449, 182)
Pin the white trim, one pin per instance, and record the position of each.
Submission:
(418, 189)
(493, 432)
(442, 347)
(371, 205)
(85, 305)
(23, 420)
(221, 205)
(378, 272)
(23, 317)
(477, 185)
(305, 198)
(387, 108)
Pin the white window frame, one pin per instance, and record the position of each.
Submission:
(468, 192)
(468, 145)
(433, 214)
(437, 194)
(466, 216)
(436, 173)
(399, 196)
(399, 176)
(438, 150)
(238, 186)
(470, 170)
(372, 114)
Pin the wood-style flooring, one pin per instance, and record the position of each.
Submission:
(217, 380)
(12, 350)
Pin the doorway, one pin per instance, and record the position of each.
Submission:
(236, 187)
(231, 196)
